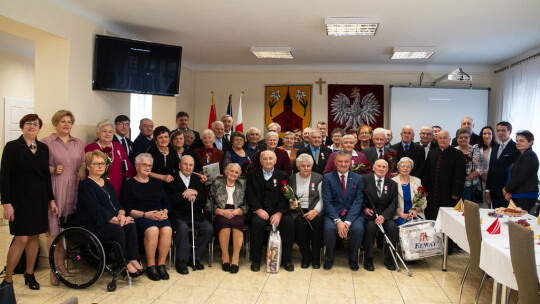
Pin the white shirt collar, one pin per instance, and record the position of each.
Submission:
(185, 179)
(506, 142)
(377, 178)
(119, 137)
(354, 153)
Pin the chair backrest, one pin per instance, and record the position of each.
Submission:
(523, 262)
(474, 234)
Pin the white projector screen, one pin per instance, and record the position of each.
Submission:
(445, 107)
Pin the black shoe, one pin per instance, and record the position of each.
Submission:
(389, 264)
(255, 267)
(316, 265)
(304, 265)
(368, 265)
(162, 271)
(234, 268)
(328, 265)
(305, 261)
(182, 269)
(289, 267)
(226, 267)
(197, 266)
(353, 266)
(152, 273)
(30, 280)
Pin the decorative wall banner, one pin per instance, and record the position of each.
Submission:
(288, 105)
(350, 106)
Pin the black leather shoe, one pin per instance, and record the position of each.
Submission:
(328, 265)
(197, 266)
(353, 266)
(305, 262)
(315, 265)
(255, 267)
(152, 273)
(304, 265)
(289, 267)
(389, 264)
(30, 280)
(368, 265)
(162, 271)
(182, 269)
(234, 268)
(226, 267)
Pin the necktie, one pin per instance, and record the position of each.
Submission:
(227, 137)
(406, 148)
(379, 191)
(380, 153)
(124, 144)
(317, 157)
(501, 148)
(343, 183)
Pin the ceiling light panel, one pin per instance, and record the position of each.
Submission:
(413, 52)
(272, 52)
(351, 26)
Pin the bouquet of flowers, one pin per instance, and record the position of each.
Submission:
(362, 168)
(419, 198)
(468, 158)
(389, 158)
(288, 192)
(108, 161)
(245, 167)
(207, 158)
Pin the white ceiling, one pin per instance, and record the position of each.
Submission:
(217, 34)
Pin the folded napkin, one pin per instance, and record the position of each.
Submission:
(495, 227)
(459, 206)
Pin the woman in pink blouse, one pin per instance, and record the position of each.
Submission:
(118, 164)
(66, 163)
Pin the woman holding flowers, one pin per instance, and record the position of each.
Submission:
(117, 165)
(359, 163)
(474, 162)
(411, 194)
(237, 154)
(306, 207)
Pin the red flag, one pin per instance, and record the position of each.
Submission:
(239, 123)
(213, 116)
(495, 228)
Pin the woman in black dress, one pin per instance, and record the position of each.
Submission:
(165, 158)
(146, 201)
(26, 195)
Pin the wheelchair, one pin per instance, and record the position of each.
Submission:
(78, 258)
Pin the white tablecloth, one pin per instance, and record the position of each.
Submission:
(495, 249)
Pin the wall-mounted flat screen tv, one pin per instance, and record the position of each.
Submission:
(136, 66)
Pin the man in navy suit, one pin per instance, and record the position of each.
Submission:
(343, 196)
(502, 156)
(410, 149)
(380, 194)
(318, 152)
(121, 123)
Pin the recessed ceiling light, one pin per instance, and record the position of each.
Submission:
(351, 26)
(413, 52)
(272, 52)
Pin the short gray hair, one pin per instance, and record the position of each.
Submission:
(347, 136)
(215, 123)
(379, 131)
(229, 166)
(104, 123)
(254, 128)
(288, 133)
(208, 131)
(187, 157)
(344, 153)
(463, 131)
(271, 134)
(139, 158)
(405, 159)
(315, 131)
(275, 124)
(268, 151)
(303, 158)
(426, 128)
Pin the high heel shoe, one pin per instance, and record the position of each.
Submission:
(30, 280)
(54, 280)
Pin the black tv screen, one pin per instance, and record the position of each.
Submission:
(136, 67)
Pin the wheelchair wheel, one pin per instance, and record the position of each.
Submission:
(77, 258)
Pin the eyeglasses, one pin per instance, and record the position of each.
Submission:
(99, 164)
(123, 124)
(146, 165)
(405, 166)
(425, 133)
(363, 133)
(33, 124)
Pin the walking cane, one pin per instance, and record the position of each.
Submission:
(193, 234)
(393, 250)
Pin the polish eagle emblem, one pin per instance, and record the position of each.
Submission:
(360, 112)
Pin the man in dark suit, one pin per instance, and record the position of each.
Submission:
(227, 121)
(323, 127)
(408, 148)
(220, 142)
(380, 194)
(276, 128)
(121, 123)
(342, 193)
(267, 206)
(444, 176)
(379, 150)
(144, 140)
(468, 123)
(283, 162)
(182, 124)
(319, 153)
(426, 140)
(306, 138)
(502, 156)
(187, 189)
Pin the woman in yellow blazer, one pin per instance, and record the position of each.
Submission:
(407, 188)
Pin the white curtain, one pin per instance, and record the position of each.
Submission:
(140, 107)
(519, 91)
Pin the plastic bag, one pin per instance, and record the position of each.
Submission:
(273, 254)
(419, 239)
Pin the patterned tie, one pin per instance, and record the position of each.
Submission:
(317, 157)
(501, 148)
(124, 143)
(343, 183)
(380, 153)
(379, 191)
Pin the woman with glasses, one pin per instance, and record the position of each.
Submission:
(27, 196)
(474, 161)
(288, 146)
(99, 211)
(118, 165)
(66, 164)
(146, 201)
(337, 135)
(237, 154)
(365, 134)
(408, 186)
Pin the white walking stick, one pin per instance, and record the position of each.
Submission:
(193, 234)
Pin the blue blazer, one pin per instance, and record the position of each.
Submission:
(335, 203)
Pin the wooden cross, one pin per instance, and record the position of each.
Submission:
(320, 83)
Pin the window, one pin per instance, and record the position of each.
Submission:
(140, 107)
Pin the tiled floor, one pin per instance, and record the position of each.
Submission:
(339, 285)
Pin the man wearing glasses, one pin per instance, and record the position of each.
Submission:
(121, 123)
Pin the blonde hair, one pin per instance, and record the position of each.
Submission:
(90, 156)
(59, 114)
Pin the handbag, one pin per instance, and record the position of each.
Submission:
(7, 294)
(419, 239)
(273, 254)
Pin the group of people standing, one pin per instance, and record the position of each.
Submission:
(342, 186)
